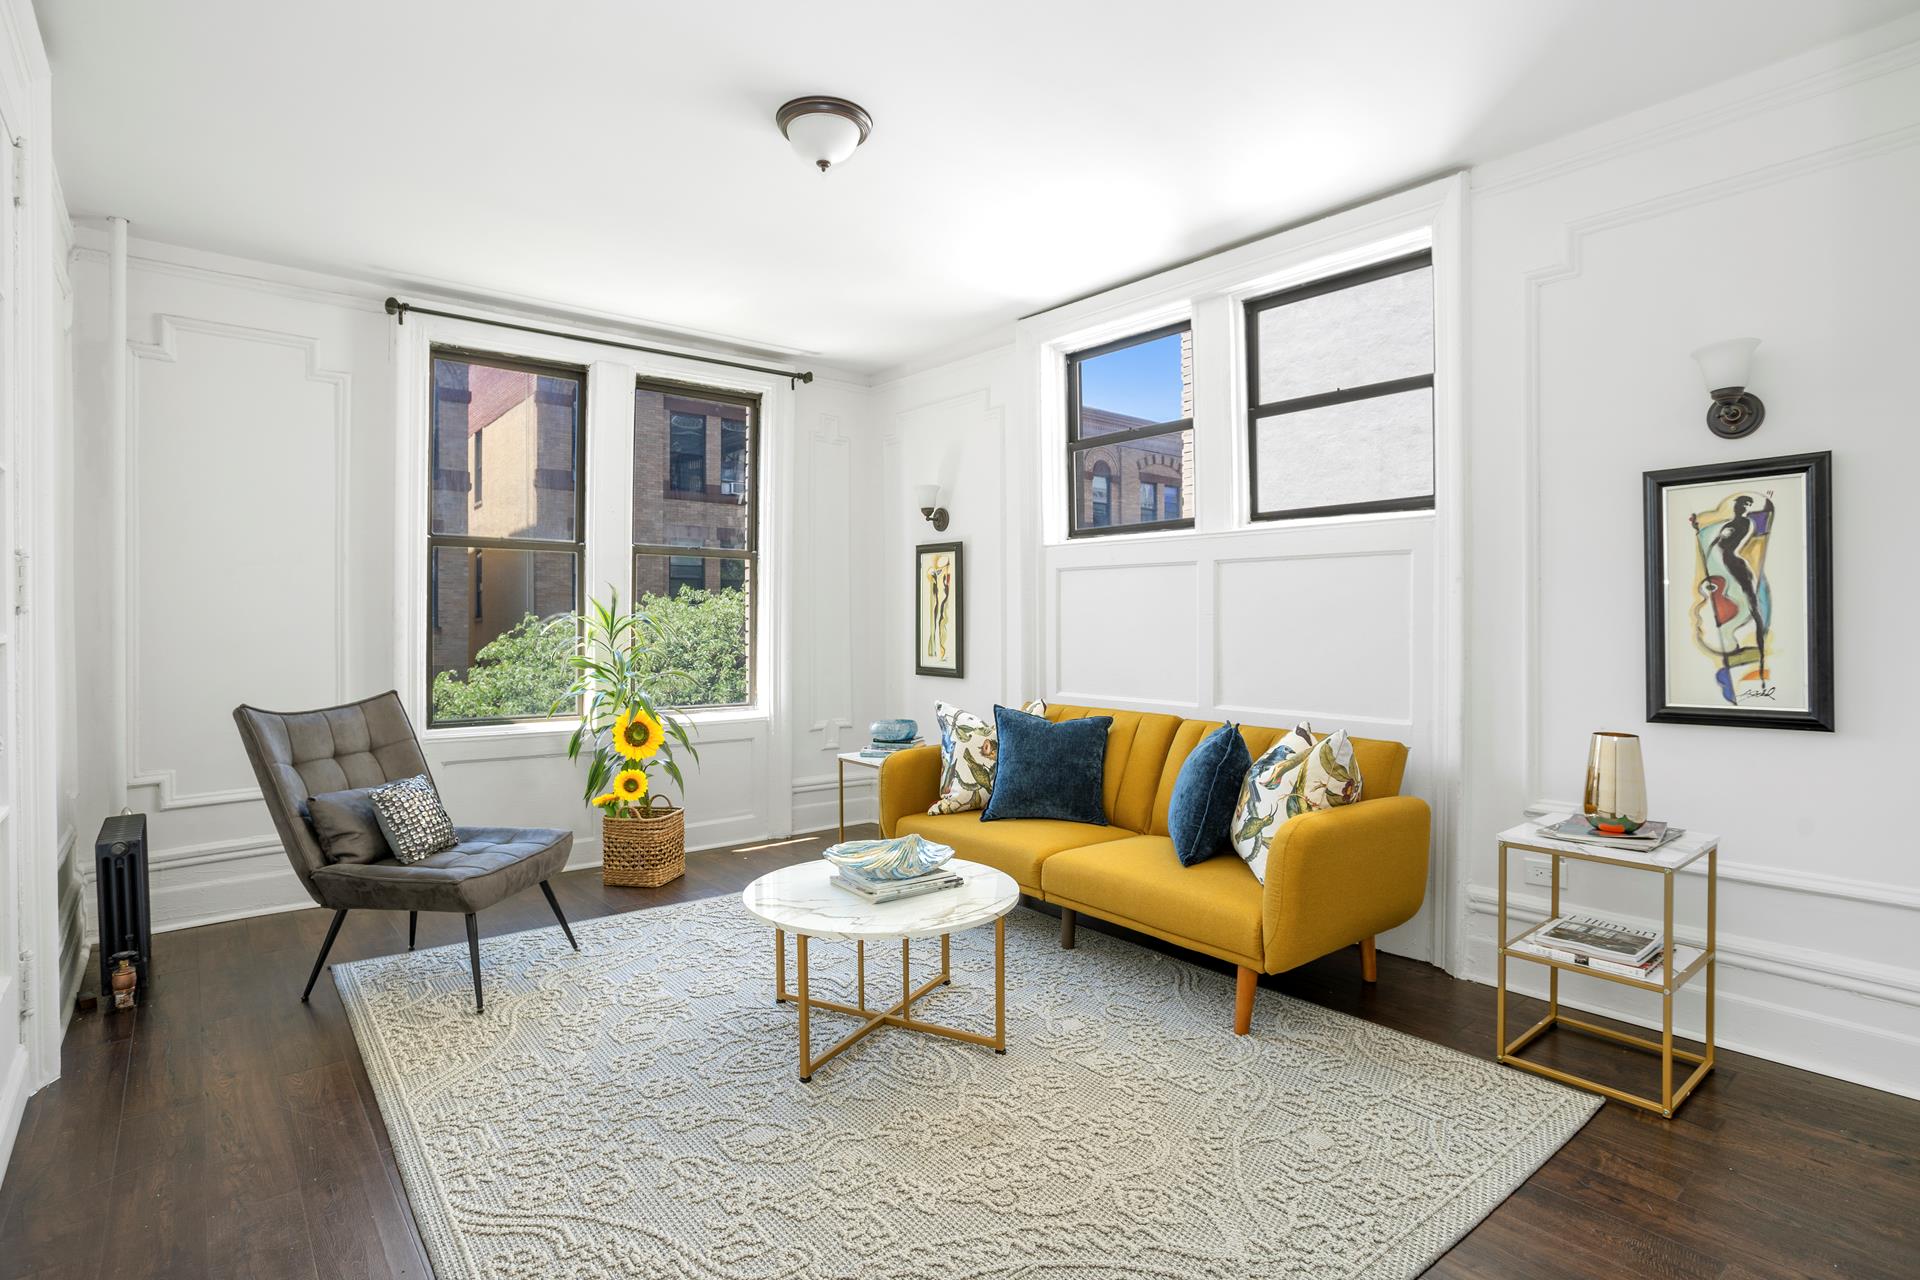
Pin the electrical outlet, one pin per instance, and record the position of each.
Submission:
(1540, 871)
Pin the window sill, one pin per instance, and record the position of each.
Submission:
(1246, 526)
(535, 735)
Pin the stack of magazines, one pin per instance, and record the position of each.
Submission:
(877, 890)
(1577, 830)
(1600, 945)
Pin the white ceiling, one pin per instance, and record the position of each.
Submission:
(621, 157)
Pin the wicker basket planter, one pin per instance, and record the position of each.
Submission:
(644, 852)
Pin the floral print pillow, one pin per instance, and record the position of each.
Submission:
(1294, 776)
(969, 751)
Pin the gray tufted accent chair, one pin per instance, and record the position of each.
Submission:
(300, 754)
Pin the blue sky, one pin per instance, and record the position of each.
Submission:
(1143, 380)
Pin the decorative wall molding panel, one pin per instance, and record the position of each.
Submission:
(212, 533)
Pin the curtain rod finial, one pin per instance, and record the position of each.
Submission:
(395, 307)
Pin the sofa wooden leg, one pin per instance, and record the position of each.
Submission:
(1243, 1001)
(1068, 918)
(1369, 961)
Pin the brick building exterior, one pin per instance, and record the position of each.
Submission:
(503, 467)
(1115, 483)
(692, 459)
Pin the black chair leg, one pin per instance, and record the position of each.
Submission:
(413, 923)
(473, 956)
(320, 961)
(558, 914)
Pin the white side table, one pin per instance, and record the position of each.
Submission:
(865, 762)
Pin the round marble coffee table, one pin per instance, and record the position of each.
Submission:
(801, 901)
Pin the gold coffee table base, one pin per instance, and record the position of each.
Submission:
(900, 1014)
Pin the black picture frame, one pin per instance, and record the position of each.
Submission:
(1815, 471)
(957, 602)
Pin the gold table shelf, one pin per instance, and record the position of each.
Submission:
(1670, 860)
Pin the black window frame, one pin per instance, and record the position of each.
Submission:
(577, 547)
(1076, 445)
(1257, 412)
(748, 555)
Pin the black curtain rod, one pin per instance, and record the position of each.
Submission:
(398, 310)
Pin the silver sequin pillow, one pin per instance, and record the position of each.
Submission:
(412, 818)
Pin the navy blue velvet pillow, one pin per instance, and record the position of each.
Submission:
(1200, 817)
(1049, 770)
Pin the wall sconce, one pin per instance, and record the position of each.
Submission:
(928, 500)
(1735, 411)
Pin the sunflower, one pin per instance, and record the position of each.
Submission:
(629, 787)
(637, 734)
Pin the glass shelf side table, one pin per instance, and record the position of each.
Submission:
(1668, 860)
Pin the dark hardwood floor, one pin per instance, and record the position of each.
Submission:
(226, 1130)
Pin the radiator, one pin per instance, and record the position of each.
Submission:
(120, 875)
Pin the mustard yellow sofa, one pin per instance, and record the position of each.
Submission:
(1334, 878)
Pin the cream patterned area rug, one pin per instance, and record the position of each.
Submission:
(633, 1111)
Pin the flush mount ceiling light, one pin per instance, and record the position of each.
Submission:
(823, 130)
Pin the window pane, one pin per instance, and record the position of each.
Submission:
(504, 444)
(1370, 450)
(1137, 386)
(702, 607)
(692, 459)
(501, 632)
(1372, 332)
(1113, 483)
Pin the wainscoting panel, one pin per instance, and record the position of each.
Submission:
(1128, 632)
(1346, 619)
(232, 432)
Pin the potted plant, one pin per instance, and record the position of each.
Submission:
(627, 731)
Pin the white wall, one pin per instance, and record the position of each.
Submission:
(261, 565)
(1780, 206)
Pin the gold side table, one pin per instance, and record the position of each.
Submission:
(1682, 852)
(859, 761)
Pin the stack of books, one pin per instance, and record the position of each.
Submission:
(873, 890)
(880, 748)
(1577, 830)
(1601, 945)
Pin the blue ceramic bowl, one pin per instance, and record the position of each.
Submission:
(894, 730)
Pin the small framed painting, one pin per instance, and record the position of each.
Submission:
(940, 631)
(1740, 593)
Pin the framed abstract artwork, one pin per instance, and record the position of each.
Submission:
(939, 632)
(1740, 593)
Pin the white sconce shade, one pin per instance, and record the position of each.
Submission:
(1724, 364)
(823, 131)
(1735, 411)
(927, 498)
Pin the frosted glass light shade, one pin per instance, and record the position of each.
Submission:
(823, 131)
(1724, 364)
(926, 496)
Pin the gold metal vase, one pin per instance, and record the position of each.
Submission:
(1616, 799)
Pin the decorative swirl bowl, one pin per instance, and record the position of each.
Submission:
(901, 730)
(901, 858)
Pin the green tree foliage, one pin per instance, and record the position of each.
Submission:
(520, 672)
(697, 659)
